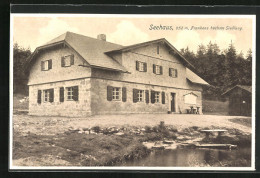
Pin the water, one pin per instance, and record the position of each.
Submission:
(194, 157)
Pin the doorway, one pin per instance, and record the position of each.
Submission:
(173, 102)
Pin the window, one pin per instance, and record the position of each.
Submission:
(48, 95)
(141, 66)
(116, 93)
(157, 69)
(157, 97)
(140, 95)
(158, 49)
(67, 61)
(72, 93)
(46, 65)
(173, 72)
(69, 93)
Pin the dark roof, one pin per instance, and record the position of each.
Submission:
(244, 87)
(90, 49)
(173, 49)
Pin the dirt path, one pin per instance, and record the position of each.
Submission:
(54, 125)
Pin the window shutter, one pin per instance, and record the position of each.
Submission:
(109, 93)
(39, 97)
(145, 67)
(176, 73)
(124, 94)
(147, 96)
(62, 62)
(62, 94)
(51, 95)
(135, 95)
(152, 96)
(161, 70)
(75, 96)
(163, 97)
(170, 72)
(72, 60)
(137, 65)
(154, 69)
(42, 65)
(49, 64)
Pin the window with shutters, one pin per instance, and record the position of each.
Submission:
(157, 69)
(140, 95)
(72, 93)
(116, 93)
(173, 72)
(141, 66)
(48, 95)
(69, 93)
(157, 97)
(67, 61)
(46, 65)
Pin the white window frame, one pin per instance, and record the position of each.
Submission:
(140, 95)
(67, 61)
(69, 92)
(46, 96)
(116, 94)
(141, 66)
(157, 97)
(173, 73)
(157, 69)
(46, 65)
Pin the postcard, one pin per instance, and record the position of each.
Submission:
(132, 92)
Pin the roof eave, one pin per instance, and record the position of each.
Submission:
(205, 84)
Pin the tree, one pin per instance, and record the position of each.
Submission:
(20, 57)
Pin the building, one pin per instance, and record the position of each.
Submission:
(240, 100)
(75, 75)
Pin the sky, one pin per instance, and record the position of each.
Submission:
(126, 30)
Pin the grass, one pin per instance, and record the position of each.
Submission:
(242, 121)
(17, 105)
(79, 149)
(216, 107)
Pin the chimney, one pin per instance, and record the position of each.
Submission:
(101, 37)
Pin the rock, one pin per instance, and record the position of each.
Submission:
(171, 147)
(168, 142)
(119, 133)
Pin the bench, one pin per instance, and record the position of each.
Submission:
(219, 131)
(192, 110)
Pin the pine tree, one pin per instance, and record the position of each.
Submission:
(20, 56)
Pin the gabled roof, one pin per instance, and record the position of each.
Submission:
(161, 40)
(194, 78)
(243, 87)
(90, 49)
(97, 53)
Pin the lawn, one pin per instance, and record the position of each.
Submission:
(243, 121)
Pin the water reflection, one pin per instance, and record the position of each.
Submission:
(194, 157)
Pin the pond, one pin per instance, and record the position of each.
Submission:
(240, 157)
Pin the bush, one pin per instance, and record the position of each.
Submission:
(96, 129)
(148, 129)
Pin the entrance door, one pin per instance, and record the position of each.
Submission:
(172, 102)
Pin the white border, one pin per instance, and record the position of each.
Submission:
(61, 168)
